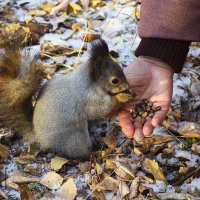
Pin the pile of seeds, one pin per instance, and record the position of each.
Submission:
(144, 109)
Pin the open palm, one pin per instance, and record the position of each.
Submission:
(150, 79)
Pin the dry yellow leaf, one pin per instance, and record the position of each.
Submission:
(75, 8)
(122, 168)
(47, 7)
(191, 135)
(99, 169)
(96, 3)
(57, 163)
(52, 180)
(166, 124)
(37, 13)
(137, 151)
(76, 27)
(68, 190)
(154, 168)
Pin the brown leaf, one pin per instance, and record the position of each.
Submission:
(25, 158)
(84, 167)
(36, 171)
(110, 141)
(52, 180)
(99, 195)
(108, 183)
(15, 179)
(68, 190)
(25, 193)
(4, 151)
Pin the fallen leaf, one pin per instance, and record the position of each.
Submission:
(25, 158)
(84, 167)
(134, 188)
(110, 141)
(123, 169)
(99, 195)
(52, 180)
(97, 3)
(15, 179)
(68, 190)
(196, 148)
(73, 7)
(25, 193)
(177, 196)
(154, 168)
(123, 189)
(85, 4)
(57, 162)
(99, 169)
(108, 183)
(76, 27)
(37, 13)
(4, 151)
(166, 124)
(47, 7)
(3, 195)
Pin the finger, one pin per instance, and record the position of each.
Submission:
(138, 136)
(148, 128)
(160, 116)
(126, 123)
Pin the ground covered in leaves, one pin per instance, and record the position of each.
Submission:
(164, 166)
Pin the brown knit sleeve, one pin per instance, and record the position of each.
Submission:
(172, 52)
(170, 19)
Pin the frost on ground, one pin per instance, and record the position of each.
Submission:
(164, 166)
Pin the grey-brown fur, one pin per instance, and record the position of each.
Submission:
(66, 103)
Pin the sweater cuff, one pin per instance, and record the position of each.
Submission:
(172, 52)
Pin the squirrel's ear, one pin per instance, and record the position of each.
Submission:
(97, 68)
(99, 53)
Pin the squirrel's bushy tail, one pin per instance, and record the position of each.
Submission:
(20, 78)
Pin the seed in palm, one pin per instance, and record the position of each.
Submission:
(144, 109)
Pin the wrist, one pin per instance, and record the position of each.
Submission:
(156, 62)
(172, 52)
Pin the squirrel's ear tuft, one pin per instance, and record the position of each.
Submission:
(98, 48)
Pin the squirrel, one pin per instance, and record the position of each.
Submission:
(58, 121)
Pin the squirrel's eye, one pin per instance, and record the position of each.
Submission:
(114, 80)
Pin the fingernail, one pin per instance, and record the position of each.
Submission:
(138, 136)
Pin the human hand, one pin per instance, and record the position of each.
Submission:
(150, 79)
